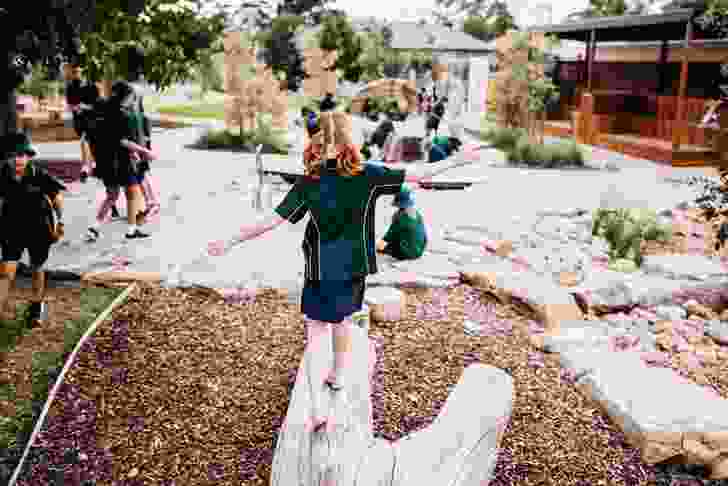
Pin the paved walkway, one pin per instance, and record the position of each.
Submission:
(208, 195)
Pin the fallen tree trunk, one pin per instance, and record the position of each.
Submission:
(459, 448)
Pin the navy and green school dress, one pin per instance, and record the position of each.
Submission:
(339, 239)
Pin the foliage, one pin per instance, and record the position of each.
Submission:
(625, 229)
(714, 20)
(210, 72)
(338, 34)
(280, 51)
(38, 85)
(496, 22)
(175, 37)
(713, 203)
(547, 156)
(514, 100)
(383, 104)
(504, 138)
(264, 134)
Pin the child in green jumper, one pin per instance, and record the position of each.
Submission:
(406, 238)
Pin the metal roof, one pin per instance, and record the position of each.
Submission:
(411, 35)
(668, 25)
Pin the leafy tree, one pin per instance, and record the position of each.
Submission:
(280, 51)
(496, 22)
(338, 34)
(174, 36)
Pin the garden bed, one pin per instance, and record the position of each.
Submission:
(31, 359)
(202, 387)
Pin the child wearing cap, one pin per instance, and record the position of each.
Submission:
(33, 205)
(406, 238)
(340, 193)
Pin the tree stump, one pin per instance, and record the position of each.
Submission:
(460, 447)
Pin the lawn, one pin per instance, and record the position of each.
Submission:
(46, 348)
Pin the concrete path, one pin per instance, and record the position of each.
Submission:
(208, 195)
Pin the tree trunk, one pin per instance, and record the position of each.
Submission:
(8, 112)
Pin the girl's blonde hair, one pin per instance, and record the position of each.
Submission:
(334, 138)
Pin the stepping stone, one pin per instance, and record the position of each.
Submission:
(399, 278)
(644, 406)
(671, 312)
(432, 266)
(550, 302)
(684, 267)
(385, 303)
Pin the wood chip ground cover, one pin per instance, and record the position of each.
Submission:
(183, 388)
(30, 359)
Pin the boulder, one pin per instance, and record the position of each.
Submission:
(550, 303)
(649, 416)
(386, 303)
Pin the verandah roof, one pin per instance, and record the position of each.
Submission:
(655, 27)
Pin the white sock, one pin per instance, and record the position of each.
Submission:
(95, 225)
(132, 229)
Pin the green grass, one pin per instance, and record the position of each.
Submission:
(93, 302)
(213, 111)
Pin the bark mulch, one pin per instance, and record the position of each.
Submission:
(183, 388)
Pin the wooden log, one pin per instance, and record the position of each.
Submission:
(459, 446)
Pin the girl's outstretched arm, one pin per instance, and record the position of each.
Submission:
(263, 225)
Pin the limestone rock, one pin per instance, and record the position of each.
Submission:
(719, 469)
(671, 312)
(718, 330)
(654, 409)
(689, 267)
(693, 307)
(386, 303)
(501, 248)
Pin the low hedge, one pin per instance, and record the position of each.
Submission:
(520, 150)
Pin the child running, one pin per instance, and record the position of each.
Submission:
(119, 147)
(340, 192)
(33, 208)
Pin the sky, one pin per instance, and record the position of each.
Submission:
(416, 8)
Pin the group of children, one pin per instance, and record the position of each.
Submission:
(107, 128)
(115, 135)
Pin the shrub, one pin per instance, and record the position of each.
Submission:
(504, 138)
(624, 230)
(264, 134)
(540, 155)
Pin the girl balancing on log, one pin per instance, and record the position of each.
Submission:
(340, 193)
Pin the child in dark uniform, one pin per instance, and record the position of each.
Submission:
(340, 192)
(406, 238)
(31, 219)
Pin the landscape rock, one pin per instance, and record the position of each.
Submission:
(718, 331)
(671, 312)
(386, 303)
(649, 413)
(687, 267)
